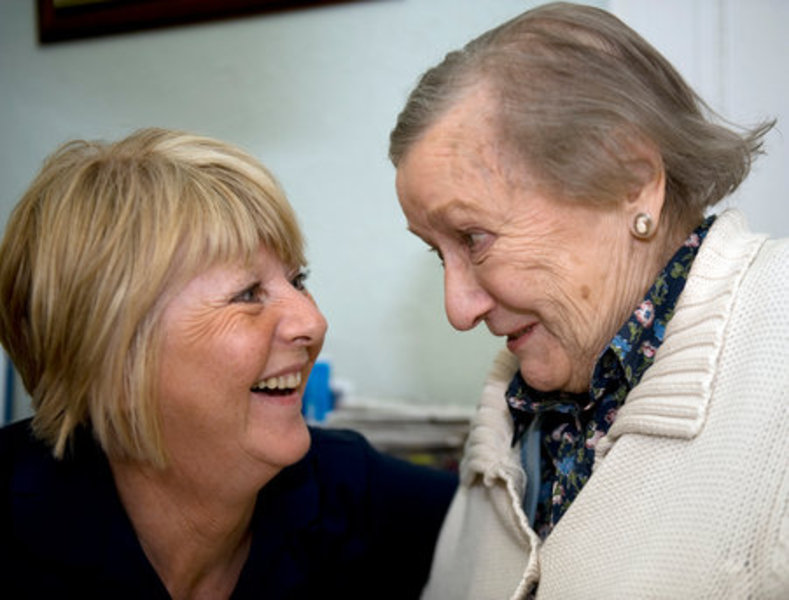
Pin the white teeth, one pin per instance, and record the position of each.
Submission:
(284, 382)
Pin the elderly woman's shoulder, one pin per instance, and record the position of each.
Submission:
(758, 324)
(761, 261)
(770, 267)
(776, 252)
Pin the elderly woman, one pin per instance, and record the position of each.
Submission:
(633, 439)
(152, 298)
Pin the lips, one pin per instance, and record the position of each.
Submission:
(514, 339)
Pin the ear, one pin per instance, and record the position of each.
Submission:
(648, 197)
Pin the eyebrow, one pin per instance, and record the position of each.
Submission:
(435, 217)
(456, 205)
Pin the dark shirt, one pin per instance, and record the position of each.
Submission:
(570, 425)
(344, 522)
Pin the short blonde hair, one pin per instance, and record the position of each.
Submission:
(101, 239)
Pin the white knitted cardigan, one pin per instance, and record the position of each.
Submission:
(689, 497)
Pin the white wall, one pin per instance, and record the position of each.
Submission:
(734, 54)
(314, 93)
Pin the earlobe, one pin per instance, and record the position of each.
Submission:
(646, 205)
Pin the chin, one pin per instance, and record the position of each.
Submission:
(288, 446)
(550, 371)
(540, 377)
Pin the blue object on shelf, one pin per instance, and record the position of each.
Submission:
(318, 400)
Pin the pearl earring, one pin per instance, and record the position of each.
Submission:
(643, 226)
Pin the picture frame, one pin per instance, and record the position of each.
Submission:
(61, 20)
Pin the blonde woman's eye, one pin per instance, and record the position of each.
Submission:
(299, 281)
(250, 294)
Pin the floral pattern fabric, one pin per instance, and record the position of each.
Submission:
(571, 424)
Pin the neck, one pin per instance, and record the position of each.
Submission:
(636, 272)
(195, 536)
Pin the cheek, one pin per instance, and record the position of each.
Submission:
(525, 280)
(229, 334)
(203, 355)
(562, 297)
(573, 283)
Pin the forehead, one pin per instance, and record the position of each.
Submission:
(458, 167)
(464, 136)
(220, 278)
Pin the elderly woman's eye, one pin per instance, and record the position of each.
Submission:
(473, 239)
(299, 281)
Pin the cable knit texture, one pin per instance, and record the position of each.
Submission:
(689, 497)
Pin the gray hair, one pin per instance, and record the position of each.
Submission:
(578, 96)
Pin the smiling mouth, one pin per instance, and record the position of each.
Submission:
(283, 385)
(520, 333)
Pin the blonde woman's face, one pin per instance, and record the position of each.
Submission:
(238, 344)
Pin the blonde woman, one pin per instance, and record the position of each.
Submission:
(152, 297)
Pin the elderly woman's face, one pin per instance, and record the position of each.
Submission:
(539, 271)
(239, 342)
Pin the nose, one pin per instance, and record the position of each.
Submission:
(303, 323)
(465, 301)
